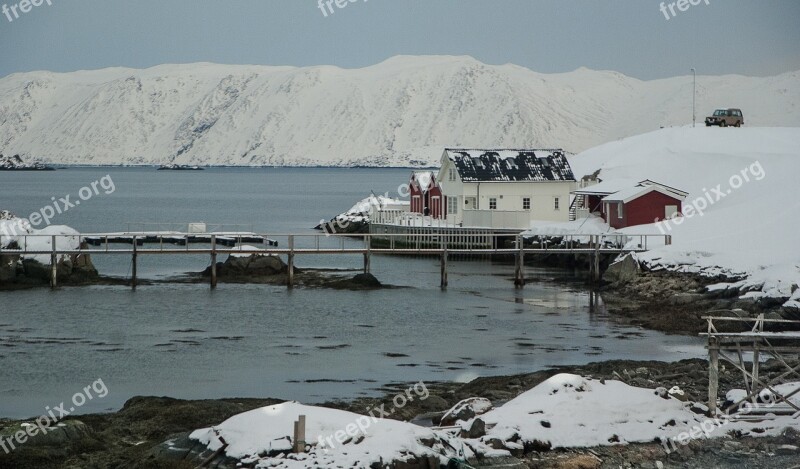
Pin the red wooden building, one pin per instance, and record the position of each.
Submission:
(426, 195)
(623, 205)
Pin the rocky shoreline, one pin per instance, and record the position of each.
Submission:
(135, 436)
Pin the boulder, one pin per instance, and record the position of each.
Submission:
(8, 268)
(466, 410)
(477, 429)
(623, 270)
(253, 265)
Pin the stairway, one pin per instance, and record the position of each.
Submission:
(578, 201)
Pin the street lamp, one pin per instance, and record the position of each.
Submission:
(694, 96)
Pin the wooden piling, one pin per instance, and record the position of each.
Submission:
(299, 435)
(444, 267)
(519, 272)
(53, 263)
(213, 261)
(713, 375)
(290, 269)
(133, 264)
(367, 254)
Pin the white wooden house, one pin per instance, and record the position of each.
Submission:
(505, 188)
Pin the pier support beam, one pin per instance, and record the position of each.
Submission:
(367, 254)
(290, 262)
(519, 271)
(444, 268)
(713, 375)
(53, 263)
(133, 263)
(213, 261)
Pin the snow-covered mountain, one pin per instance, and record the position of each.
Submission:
(401, 112)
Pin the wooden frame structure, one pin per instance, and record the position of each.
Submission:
(735, 348)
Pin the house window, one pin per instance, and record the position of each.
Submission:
(492, 203)
(526, 203)
(556, 203)
(619, 209)
(452, 205)
(451, 174)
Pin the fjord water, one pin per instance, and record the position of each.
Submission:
(186, 341)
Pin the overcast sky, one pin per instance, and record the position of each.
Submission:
(750, 37)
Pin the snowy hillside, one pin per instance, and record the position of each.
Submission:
(401, 112)
(743, 189)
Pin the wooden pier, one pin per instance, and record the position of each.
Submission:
(442, 245)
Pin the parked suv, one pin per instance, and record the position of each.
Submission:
(725, 118)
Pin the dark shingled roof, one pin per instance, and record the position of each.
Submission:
(510, 165)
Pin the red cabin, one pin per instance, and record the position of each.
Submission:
(639, 204)
(426, 195)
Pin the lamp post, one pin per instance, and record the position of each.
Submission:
(694, 96)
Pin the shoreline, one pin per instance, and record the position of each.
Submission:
(133, 436)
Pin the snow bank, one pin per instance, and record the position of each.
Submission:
(593, 225)
(747, 231)
(571, 411)
(263, 437)
(565, 411)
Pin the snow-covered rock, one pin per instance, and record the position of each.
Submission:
(570, 411)
(335, 438)
(401, 112)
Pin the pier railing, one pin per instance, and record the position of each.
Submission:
(442, 244)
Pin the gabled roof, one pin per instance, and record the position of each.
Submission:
(622, 189)
(631, 193)
(503, 165)
(423, 178)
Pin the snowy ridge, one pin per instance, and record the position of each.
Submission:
(748, 233)
(401, 112)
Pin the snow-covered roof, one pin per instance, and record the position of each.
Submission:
(607, 187)
(423, 178)
(631, 193)
(506, 165)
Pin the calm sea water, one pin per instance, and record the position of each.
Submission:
(311, 345)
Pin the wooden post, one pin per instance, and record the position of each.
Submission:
(213, 261)
(444, 267)
(53, 263)
(290, 269)
(596, 260)
(519, 274)
(713, 375)
(300, 435)
(133, 265)
(367, 256)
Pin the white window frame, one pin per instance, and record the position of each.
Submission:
(526, 201)
(492, 201)
(452, 205)
(556, 203)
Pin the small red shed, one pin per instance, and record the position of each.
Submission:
(426, 195)
(645, 203)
